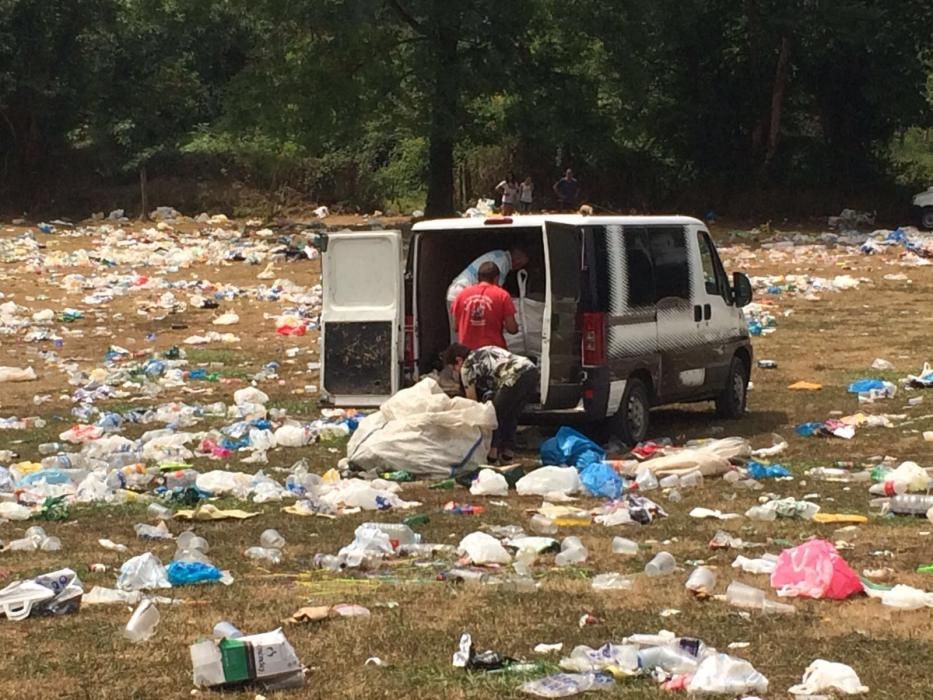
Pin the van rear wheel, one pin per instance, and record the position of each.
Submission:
(732, 401)
(630, 424)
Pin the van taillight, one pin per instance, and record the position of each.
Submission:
(409, 341)
(594, 338)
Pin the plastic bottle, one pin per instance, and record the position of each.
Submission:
(741, 595)
(670, 481)
(702, 580)
(888, 488)
(691, 479)
(226, 630)
(661, 565)
(667, 657)
(48, 448)
(156, 512)
(621, 545)
(542, 525)
(910, 504)
(271, 539)
(399, 532)
(182, 479)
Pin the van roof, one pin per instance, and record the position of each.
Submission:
(524, 220)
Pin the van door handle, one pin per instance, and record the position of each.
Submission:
(707, 311)
(697, 313)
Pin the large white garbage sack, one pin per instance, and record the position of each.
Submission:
(425, 432)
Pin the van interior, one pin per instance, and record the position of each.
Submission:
(442, 256)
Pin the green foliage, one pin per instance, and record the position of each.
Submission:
(374, 103)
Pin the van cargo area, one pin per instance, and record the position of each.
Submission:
(443, 255)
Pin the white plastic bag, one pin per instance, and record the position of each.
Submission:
(490, 483)
(822, 676)
(721, 674)
(425, 432)
(483, 549)
(291, 435)
(549, 480)
(250, 395)
(143, 572)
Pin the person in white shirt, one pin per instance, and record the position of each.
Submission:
(526, 195)
(509, 190)
(506, 260)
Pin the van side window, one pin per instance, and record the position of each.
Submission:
(671, 267)
(710, 280)
(714, 275)
(640, 273)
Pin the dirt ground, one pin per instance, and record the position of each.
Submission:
(416, 619)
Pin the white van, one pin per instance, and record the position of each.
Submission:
(633, 312)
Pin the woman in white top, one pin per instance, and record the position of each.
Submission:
(526, 195)
(509, 190)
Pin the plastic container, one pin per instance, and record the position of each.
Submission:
(702, 580)
(621, 545)
(671, 481)
(189, 540)
(646, 480)
(49, 448)
(661, 565)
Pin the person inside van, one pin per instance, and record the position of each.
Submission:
(482, 312)
(515, 258)
(497, 375)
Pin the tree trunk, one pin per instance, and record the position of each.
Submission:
(443, 31)
(143, 193)
(777, 100)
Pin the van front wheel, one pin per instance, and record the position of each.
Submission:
(630, 424)
(731, 402)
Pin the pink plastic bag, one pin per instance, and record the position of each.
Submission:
(814, 570)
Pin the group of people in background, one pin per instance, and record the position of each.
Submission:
(520, 196)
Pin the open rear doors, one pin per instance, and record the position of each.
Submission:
(561, 349)
(362, 317)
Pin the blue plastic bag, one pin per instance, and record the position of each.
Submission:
(756, 470)
(863, 386)
(809, 429)
(600, 479)
(182, 573)
(570, 448)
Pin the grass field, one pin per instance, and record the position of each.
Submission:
(416, 619)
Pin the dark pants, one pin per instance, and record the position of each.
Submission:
(509, 402)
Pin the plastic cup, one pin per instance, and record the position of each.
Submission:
(694, 478)
(226, 630)
(701, 580)
(661, 565)
(542, 525)
(272, 539)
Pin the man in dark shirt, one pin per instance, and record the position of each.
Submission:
(567, 190)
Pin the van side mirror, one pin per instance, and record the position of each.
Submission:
(741, 289)
(319, 241)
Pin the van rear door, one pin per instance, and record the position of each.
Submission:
(561, 350)
(361, 319)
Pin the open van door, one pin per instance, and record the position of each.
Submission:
(561, 349)
(361, 319)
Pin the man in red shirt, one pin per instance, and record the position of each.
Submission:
(484, 310)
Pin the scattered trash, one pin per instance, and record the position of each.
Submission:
(825, 676)
(267, 660)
